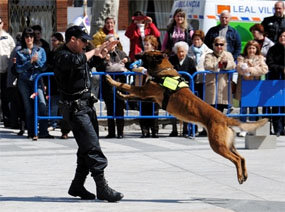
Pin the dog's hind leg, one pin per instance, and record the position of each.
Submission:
(244, 171)
(221, 142)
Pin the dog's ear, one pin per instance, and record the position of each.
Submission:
(158, 58)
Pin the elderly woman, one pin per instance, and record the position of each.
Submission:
(218, 60)
(264, 42)
(251, 66)
(181, 62)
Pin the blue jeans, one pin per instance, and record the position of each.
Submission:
(252, 110)
(54, 109)
(26, 89)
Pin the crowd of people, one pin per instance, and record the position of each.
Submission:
(188, 50)
(72, 56)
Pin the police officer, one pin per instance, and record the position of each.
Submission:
(274, 25)
(73, 77)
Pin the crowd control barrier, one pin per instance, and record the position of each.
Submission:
(267, 93)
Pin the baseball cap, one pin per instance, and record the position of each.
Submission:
(78, 32)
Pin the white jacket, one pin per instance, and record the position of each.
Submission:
(7, 45)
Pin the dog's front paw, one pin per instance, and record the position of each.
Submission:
(121, 95)
(110, 80)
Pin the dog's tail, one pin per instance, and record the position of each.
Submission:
(251, 126)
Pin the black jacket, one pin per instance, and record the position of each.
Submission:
(188, 64)
(273, 26)
(275, 61)
(72, 73)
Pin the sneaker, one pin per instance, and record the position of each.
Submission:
(242, 134)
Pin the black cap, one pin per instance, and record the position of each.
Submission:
(78, 32)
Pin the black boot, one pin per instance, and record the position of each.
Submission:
(77, 188)
(104, 192)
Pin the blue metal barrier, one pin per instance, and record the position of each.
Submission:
(251, 90)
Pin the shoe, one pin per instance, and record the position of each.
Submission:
(154, 135)
(110, 136)
(120, 136)
(21, 132)
(104, 192)
(64, 136)
(278, 134)
(242, 134)
(76, 190)
(46, 136)
(51, 128)
(35, 138)
(202, 133)
(173, 134)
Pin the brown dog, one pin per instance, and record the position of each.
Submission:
(184, 105)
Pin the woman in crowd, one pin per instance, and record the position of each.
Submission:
(276, 63)
(177, 30)
(114, 62)
(264, 42)
(250, 66)
(140, 27)
(149, 108)
(218, 60)
(181, 62)
(30, 61)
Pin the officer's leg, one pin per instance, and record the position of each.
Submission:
(87, 140)
(77, 186)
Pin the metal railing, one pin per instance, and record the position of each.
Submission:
(137, 114)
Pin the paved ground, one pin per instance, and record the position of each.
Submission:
(161, 175)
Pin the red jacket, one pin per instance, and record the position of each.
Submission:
(133, 34)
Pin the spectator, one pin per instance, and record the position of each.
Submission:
(57, 40)
(218, 60)
(264, 42)
(197, 52)
(17, 114)
(251, 66)
(140, 27)
(30, 61)
(177, 30)
(115, 62)
(276, 63)
(229, 33)
(181, 62)
(109, 28)
(149, 108)
(38, 40)
(7, 45)
(275, 24)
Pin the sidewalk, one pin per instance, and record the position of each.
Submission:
(155, 175)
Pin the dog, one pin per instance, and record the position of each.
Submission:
(187, 107)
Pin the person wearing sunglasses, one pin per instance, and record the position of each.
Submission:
(31, 61)
(7, 45)
(72, 64)
(229, 33)
(218, 60)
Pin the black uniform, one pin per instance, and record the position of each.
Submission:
(73, 76)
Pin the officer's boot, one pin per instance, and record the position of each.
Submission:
(77, 187)
(104, 192)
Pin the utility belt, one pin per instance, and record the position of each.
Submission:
(78, 104)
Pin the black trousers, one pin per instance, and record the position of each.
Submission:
(84, 124)
(146, 124)
(108, 96)
(4, 99)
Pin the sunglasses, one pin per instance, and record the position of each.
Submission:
(219, 44)
(29, 36)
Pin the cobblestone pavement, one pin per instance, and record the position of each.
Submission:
(156, 175)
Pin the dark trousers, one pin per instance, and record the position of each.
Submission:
(4, 100)
(278, 121)
(108, 96)
(148, 109)
(84, 124)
